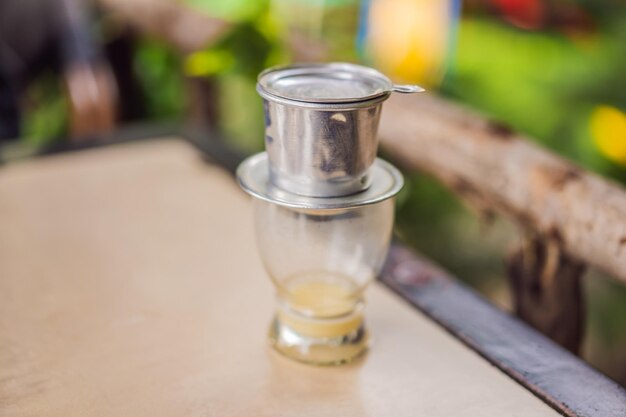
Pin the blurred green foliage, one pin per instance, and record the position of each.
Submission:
(161, 79)
(253, 47)
(230, 10)
(430, 218)
(544, 84)
(234, 63)
(45, 118)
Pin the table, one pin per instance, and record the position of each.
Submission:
(130, 286)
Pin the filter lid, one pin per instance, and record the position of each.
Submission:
(327, 83)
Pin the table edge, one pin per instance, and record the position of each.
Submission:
(559, 378)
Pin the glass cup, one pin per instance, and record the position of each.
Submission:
(321, 261)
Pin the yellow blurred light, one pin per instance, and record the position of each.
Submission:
(608, 129)
(407, 39)
(205, 63)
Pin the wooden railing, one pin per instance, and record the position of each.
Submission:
(570, 218)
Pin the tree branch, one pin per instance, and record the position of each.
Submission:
(496, 170)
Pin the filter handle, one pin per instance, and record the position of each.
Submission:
(407, 88)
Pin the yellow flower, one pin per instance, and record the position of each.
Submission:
(608, 129)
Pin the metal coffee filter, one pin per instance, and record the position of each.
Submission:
(321, 125)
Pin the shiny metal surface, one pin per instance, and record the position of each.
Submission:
(324, 83)
(321, 153)
(407, 89)
(321, 126)
(254, 177)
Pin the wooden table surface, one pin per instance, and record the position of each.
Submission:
(130, 286)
